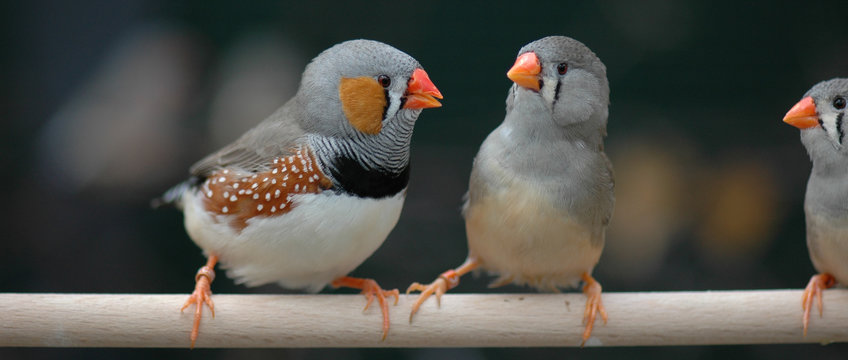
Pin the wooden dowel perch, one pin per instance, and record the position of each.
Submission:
(466, 320)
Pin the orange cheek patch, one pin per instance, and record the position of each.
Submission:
(363, 103)
(264, 194)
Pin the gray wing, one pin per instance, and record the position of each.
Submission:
(609, 189)
(477, 182)
(275, 136)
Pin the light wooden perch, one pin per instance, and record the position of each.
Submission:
(472, 320)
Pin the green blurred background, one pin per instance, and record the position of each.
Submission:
(107, 103)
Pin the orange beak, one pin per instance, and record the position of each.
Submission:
(803, 115)
(525, 71)
(420, 92)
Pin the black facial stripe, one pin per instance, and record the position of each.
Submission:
(821, 125)
(556, 90)
(839, 126)
(402, 98)
(541, 84)
(388, 103)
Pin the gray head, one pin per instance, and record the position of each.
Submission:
(821, 115)
(359, 86)
(566, 76)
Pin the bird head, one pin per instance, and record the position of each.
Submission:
(564, 76)
(360, 86)
(821, 116)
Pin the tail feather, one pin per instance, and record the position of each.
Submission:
(173, 197)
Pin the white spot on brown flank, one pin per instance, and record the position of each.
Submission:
(242, 193)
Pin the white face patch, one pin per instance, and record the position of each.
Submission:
(548, 91)
(829, 124)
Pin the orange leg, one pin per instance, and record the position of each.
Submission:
(446, 281)
(594, 306)
(814, 289)
(202, 294)
(370, 289)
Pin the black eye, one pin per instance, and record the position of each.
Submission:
(562, 68)
(384, 81)
(839, 102)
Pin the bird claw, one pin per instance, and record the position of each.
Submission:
(202, 295)
(371, 289)
(812, 292)
(446, 281)
(594, 306)
(380, 294)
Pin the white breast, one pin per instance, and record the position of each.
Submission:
(325, 236)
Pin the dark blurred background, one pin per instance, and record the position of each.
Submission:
(106, 104)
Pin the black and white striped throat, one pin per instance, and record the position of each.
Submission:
(369, 166)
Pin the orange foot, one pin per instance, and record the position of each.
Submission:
(446, 281)
(814, 289)
(370, 289)
(594, 306)
(202, 295)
